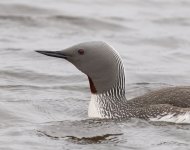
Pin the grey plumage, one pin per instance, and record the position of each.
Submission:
(104, 67)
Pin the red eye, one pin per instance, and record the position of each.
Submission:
(81, 51)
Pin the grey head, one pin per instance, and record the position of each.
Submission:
(98, 60)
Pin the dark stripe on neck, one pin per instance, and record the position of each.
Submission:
(92, 86)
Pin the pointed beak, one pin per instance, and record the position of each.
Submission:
(58, 54)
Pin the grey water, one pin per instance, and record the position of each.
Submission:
(44, 101)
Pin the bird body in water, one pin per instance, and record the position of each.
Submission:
(104, 68)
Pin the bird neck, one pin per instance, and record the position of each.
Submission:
(103, 104)
(108, 77)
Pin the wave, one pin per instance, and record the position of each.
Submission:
(29, 76)
(85, 22)
(181, 21)
(39, 17)
(24, 10)
(61, 21)
(88, 131)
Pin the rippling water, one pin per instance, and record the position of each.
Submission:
(44, 100)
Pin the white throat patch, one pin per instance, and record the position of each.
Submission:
(93, 110)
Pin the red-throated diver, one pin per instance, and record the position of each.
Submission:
(105, 71)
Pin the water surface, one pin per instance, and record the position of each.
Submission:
(44, 100)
